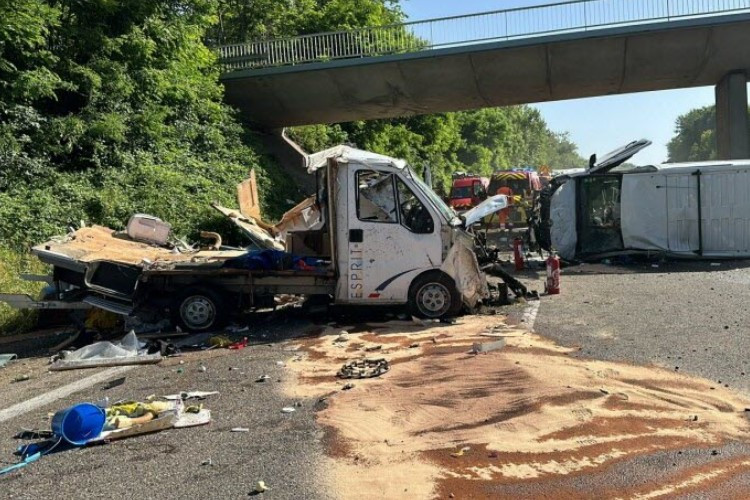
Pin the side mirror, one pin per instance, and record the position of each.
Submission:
(592, 161)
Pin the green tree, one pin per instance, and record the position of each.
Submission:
(108, 108)
(246, 20)
(695, 136)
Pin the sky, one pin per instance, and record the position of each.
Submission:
(597, 124)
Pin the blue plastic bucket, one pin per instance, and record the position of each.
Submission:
(79, 424)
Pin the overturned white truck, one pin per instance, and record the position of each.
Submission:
(372, 234)
(686, 210)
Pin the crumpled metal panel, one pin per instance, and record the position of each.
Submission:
(461, 265)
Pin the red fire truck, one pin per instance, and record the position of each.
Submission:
(468, 191)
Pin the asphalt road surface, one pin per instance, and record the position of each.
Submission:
(283, 450)
(689, 317)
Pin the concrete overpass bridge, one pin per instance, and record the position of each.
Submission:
(552, 52)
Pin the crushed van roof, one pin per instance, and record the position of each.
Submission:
(349, 154)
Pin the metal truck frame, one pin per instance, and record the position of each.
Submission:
(383, 236)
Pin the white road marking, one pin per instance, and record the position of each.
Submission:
(61, 392)
(529, 315)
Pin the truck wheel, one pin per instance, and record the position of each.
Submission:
(199, 309)
(434, 295)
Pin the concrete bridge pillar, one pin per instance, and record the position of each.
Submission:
(732, 130)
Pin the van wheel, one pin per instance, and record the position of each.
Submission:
(199, 309)
(434, 295)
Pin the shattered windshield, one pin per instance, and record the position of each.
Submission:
(439, 204)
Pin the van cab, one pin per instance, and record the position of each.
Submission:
(688, 210)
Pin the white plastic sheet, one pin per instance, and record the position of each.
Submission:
(125, 352)
(489, 206)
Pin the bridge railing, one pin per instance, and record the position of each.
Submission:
(580, 15)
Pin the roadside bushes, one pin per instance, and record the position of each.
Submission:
(12, 264)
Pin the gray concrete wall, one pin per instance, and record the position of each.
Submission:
(732, 127)
(639, 58)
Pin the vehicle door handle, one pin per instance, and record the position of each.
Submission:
(356, 236)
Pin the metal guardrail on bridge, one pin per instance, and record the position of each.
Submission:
(581, 15)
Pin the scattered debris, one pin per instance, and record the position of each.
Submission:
(6, 358)
(478, 348)
(287, 409)
(260, 487)
(22, 378)
(424, 322)
(239, 345)
(26, 461)
(240, 429)
(128, 351)
(262, 378)
(207, 462)
(113, 383)
(220, 341)
(33, 434)
(364, 368)
(184, 396)
(516, 286)
(461, 452)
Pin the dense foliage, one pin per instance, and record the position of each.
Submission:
(695, 136)
(114, 107)
(243, 20)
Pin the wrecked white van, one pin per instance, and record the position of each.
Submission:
(687, 210)
(373, 234)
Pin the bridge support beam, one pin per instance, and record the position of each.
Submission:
(732, 127)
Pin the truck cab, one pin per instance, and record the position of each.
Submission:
(467, 191)
(396, 241)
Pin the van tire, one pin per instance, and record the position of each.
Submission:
(199, 309)
(434, 295)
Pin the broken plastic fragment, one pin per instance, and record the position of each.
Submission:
(260, 487)
(461, 452)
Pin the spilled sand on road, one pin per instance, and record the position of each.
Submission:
(526, 413)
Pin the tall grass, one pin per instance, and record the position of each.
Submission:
(12, 264)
